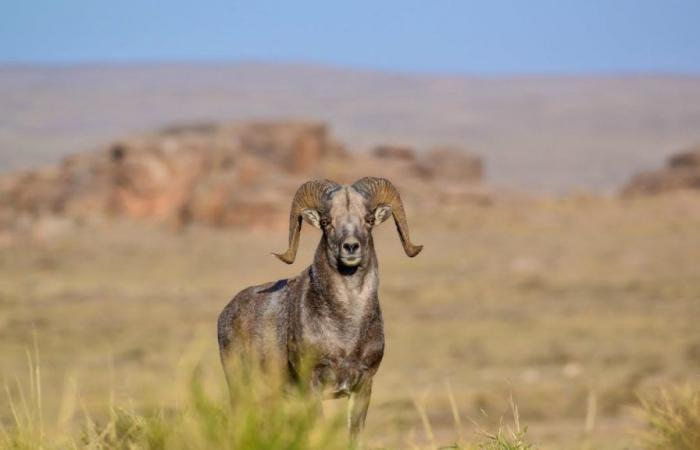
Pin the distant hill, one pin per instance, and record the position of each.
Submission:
(551, 134)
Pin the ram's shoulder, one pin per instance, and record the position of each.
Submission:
(271, 287)
(276, 288)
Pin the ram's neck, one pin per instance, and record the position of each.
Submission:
(350, 290)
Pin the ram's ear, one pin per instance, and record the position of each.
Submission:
(312, 217)
(382, 213)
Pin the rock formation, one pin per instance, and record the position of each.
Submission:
(682, 172)
(219, 175)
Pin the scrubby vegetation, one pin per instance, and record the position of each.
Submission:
(673, 419)
(263, 415)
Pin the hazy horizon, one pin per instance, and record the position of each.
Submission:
(543, 134)
(349, 67)
(556, 96)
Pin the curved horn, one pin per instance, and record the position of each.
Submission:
(379, 191)
(308, 196)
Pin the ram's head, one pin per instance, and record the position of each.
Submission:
(346, 215)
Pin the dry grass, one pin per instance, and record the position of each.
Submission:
(575, 306)
(673, 419)
(200, 420)
(256, 411)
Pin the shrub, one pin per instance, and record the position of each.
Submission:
(262, 416)
(672, 419)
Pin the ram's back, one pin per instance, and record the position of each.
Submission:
(254, 324)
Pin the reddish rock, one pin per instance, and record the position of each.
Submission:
(394, 152)
(221, 175)
(689, 159)
(453, 164)
(682, 172)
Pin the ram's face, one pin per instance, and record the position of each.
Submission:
(346, 214)
(346, 223)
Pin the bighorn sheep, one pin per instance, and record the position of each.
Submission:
(330, 312)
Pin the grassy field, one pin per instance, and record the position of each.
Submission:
(575, 307)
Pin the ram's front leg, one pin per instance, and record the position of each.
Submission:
(357, 410)
(315, 389)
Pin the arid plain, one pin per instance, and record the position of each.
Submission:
(560, 303)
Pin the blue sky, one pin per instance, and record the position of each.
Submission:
(471, 37)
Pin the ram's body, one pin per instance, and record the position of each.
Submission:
(329, 313)
(315, 313)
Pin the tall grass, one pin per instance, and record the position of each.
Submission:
(287, 421)
(262, 415)
(507, 438)
(257, 412)
(673, 419)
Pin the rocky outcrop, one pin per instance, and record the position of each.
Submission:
(682, 172)
(453, 163)
(394, 152)
(233, 175)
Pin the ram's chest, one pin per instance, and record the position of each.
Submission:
(338, 334)
(335, 334)
(337, 348)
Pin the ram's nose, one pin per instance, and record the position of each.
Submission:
(351, 252)
(351, 246)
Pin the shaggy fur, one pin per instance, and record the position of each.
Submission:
(330, 312)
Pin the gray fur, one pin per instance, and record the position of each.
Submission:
(329, 312)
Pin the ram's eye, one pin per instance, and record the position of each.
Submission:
(324, 223)
(369, 219)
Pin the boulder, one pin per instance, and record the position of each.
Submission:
(394, 152)
(688, 159)
(452, 163)
(682, 172)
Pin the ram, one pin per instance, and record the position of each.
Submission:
(330, 312)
